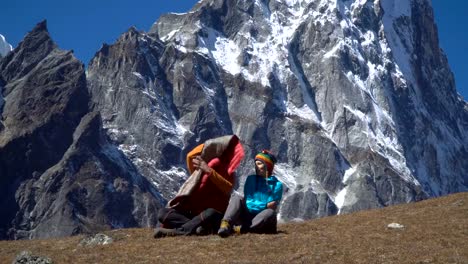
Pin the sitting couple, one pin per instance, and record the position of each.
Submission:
(204, 204)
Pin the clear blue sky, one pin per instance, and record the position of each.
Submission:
(84, 25)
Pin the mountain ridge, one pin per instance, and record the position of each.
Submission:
(356, 99)
(59, 173)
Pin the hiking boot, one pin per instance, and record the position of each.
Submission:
(225, 229)
(237, 229)
(166, 232)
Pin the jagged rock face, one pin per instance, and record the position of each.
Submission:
(153, 105)
(59, 175)
(38, 119)
(93, 187)
(436, 142)
(355, 97)
(352, 95)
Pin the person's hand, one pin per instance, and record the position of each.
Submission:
(199, 163)
(272, 205)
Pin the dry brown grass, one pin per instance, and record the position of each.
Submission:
(436, 231)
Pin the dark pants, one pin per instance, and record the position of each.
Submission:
(209, 219)
(237, 214)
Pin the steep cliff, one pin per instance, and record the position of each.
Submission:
(59, 175)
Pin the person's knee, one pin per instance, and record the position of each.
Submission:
(270, 218)
(265, 217)
(162, 214)
(209, 213)
(270, 213)
(236, 197)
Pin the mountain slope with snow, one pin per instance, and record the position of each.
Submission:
(5, 47)
(352, 95)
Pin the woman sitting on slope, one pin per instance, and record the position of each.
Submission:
(256, 211)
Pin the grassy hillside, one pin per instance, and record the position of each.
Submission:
(436, 231)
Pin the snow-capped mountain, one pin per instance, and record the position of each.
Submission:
(355, 97)
(5, 47)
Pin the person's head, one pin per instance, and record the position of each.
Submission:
(264, 163)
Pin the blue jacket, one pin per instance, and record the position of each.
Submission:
(258, 192)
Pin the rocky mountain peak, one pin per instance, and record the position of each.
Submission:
(35, 46)
(339, 72)
(57, 165)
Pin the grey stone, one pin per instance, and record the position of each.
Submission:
(95, 240)
(26, 257)
(395, 226)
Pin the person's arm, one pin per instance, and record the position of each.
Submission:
(278, 192)
(276, 196)
(225, 185)
(191, 155)
(254, 204)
